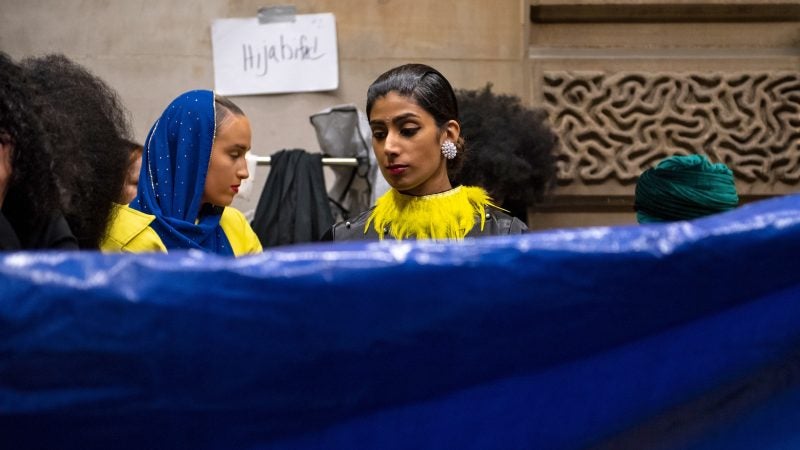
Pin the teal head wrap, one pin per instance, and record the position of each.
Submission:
(684, 188)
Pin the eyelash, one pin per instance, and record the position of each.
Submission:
(405, 132)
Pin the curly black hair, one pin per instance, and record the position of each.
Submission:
(32, 195)
(88, 124)
(512, 150)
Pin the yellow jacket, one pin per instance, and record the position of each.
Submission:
(130, 231)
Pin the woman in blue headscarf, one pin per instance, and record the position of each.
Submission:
(192, 166)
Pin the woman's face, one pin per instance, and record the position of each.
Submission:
(407, 144)
(228, 166)
(131, 186)
(6, 148)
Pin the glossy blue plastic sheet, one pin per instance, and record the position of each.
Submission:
(684, 335)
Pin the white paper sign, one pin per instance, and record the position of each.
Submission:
(254, 58)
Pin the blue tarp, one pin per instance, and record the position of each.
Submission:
(685, 335)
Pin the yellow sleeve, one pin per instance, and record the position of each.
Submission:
(240, 234)
(129, 231)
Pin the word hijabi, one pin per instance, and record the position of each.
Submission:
(260, 58)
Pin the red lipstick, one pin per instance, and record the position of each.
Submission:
(396, 169)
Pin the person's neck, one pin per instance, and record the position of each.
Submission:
(430, 189)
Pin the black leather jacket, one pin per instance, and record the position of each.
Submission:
(497, 223)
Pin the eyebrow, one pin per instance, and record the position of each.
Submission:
(397, 119)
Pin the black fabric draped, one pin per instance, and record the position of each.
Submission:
(8, 237)
(50, 233)
(293, 207)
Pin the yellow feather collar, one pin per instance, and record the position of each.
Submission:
(444, 216)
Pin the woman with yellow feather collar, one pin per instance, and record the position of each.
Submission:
(413, 114)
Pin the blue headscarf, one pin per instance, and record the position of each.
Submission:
(174, 166)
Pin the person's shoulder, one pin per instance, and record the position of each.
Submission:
(240, 234)
(130, 231)
(352, 229)
(232, 215)
(503, 223)
(128, 214)
(8, 237)
(127, 222)
(56, 234)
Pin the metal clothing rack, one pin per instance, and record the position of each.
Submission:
(347, 162)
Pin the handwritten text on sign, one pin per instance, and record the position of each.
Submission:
(254, 58)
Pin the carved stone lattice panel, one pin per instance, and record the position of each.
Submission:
(614, 126)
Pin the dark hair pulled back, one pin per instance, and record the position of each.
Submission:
(429, 89)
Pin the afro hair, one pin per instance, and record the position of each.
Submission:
(512, 150)
(32, 194)
(86, 121)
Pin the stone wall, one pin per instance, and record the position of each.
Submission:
(630, 82)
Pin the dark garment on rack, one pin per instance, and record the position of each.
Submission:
(293, 207)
